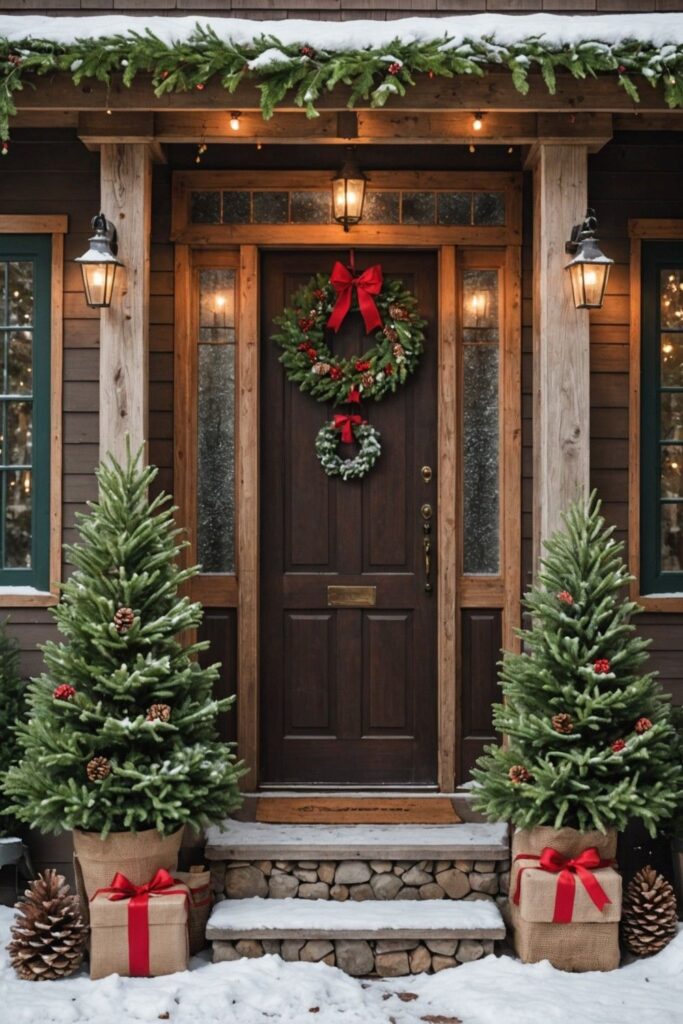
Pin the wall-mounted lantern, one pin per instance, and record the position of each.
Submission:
(589, 270)
(99, 263)
(348, 191)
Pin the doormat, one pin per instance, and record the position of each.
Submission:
(367, 810)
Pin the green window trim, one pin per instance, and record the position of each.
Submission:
(29, 399)
(661, 561)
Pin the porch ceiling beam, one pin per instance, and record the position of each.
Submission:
(363, 128)
(494, 91)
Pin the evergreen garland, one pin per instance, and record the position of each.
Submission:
(371, 74)
(590, 737)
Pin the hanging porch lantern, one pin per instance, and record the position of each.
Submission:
(589, 269)
(348, 191)
(99, 263)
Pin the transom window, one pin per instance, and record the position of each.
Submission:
(25, 410)
(662, 419)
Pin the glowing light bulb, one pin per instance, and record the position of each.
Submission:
(477, 122)
(235, 120)
(590, 277)
(220, 302)
(98, 278)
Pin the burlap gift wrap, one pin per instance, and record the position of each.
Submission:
(137, 855)
(198, 881)
(160, 945)
(590, 942)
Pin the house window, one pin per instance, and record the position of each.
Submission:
(661, 455)
(25, 339)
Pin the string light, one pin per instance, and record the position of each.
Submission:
(478, 122)
(472, 149)
(511, 150)
(201, 150)
(235, 120)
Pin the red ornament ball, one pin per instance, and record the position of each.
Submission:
(394, 68)
(618, 746)
(63, 692)
(642, 725)
(565, 597)
(602, 666)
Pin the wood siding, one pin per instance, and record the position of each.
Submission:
(333, 10)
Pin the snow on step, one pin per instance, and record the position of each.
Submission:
(370, 919)
(248, 840)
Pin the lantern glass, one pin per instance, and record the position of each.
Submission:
(589, 281)
(98, 283)
(348, 196)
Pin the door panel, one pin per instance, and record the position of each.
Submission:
(348, 695)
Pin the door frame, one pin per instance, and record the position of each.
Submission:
(197, 245)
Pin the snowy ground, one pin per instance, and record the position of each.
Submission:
(268, 991)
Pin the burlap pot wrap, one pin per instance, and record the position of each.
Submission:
(167, 934)
(198, 881)
(137, 855)
(587, 944)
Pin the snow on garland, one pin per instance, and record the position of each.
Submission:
(327, 444)
(310, 363)
(309, 58)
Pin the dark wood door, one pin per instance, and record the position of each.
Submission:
(348, 695)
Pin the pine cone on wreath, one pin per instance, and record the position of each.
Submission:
(649, 914)
(398, 312)
(49, 933)
(562, 723)
(123, 619)
(159, 712)
(98, 769)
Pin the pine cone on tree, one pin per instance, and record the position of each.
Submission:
(518, 773)
(649, 915)
(159, 712)
(49, 933)
(123, 619)
(98, 768)
(562, 723)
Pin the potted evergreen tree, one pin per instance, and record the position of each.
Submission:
(590, 741)
(121, 743)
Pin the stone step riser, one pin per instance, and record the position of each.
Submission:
(385, 958)
(361, 880)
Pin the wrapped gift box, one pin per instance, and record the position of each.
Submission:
(146, 941)
(554, 916)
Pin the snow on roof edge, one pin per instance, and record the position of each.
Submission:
(557, 31)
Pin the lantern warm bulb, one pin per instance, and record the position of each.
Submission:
(220, 301)
(478, 122)
(235, 120)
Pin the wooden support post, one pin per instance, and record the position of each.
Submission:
(561, 340)
(126, 189)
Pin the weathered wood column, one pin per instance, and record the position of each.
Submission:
(126, 191)
(561, 372)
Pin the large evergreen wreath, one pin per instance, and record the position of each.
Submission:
(310, 362)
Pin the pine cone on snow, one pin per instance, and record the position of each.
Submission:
(123, 619)
(97, 769)
(562, 723)
(649, 915)
(48, 934)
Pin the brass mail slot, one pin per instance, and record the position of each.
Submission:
(351, 597)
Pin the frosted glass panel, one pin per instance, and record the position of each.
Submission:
(481, 456)
(216, 422)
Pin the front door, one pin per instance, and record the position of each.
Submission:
(348, 694)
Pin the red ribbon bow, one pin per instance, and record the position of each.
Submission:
(345, 423)
(138, 913)
(369, 283)
(566, 868)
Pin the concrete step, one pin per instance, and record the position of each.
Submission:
(248, 841)
(427, 920)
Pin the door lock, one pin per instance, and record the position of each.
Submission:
(426, 473)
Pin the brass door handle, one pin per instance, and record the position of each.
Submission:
(427, 551)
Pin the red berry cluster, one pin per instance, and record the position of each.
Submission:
(618, 746)
(165, 74)
(63, 692)
(336, 373)
(621, 69)
(642, 725)
(388, 369)
(362, 365)
(565, 597)
(394, 68)
(304, 346)
(602, 666)
(307, 51)
(5, 149)
(306, 323)
(319, 294)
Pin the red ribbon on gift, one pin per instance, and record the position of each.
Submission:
(567, 868)
(138, 913)
(346, 424)
(369, 283)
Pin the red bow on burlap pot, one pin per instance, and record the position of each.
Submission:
(369, 283)
(345, 424)
(567, 868)
(138, 913)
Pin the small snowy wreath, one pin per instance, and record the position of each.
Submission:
(310, 363)
(327, 443)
